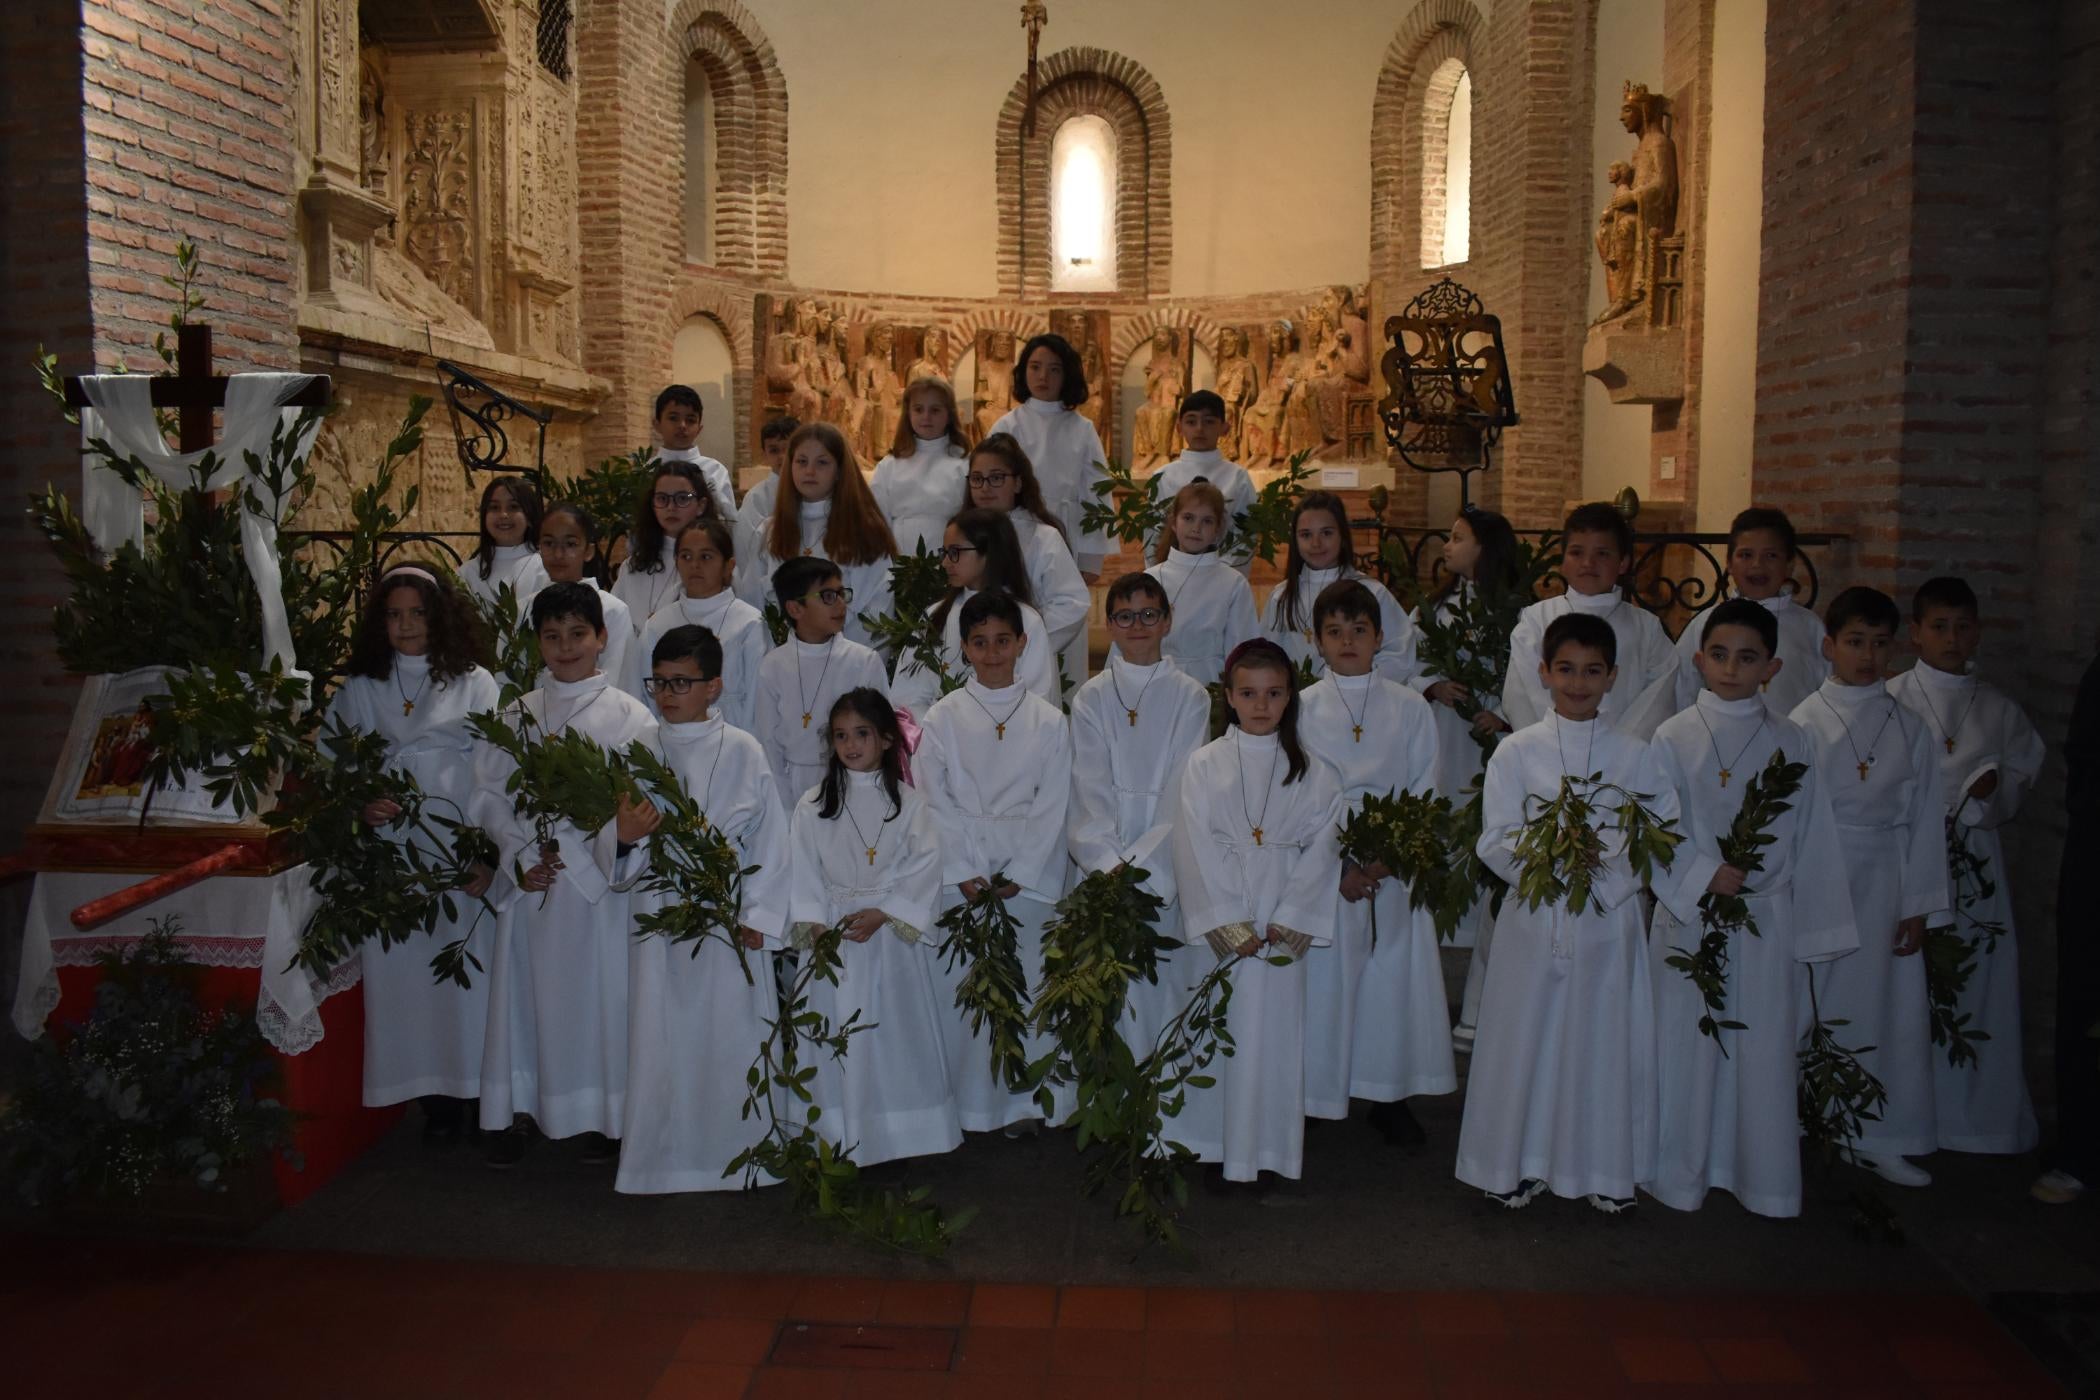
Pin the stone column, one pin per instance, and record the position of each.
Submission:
(339, 217)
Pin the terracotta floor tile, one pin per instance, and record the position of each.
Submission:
(1379, 1360)
(547, 1327)
(1004, 1351)
(1179, 1388)
(1207, 1356)
(767, 1296)
(1097, 1352)
(1941, 1358)
(1278, 1310)
(1843, 1362)
(1012, 1305)
(1731, 1316)
(1640, 1315)
(1093, 1388)
(728, 1341)
(1752, 1360)
(900, 1385)
(1285, 1356)
(837, 1299)
(1546, 1313)
(1121, 1309)
(693, 1380)
(667, 1290)
(1188, 1310)
(791, 1383)
(924, 1303)
(1652, 1360)
(639, 1334)
(1000, 1387)
(1471, 1314)
(1367, 1314)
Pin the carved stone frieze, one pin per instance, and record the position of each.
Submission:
(437, 203)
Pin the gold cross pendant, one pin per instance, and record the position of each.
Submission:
(408, 707)
(1133, 717)
(1001, 735)
(1724, 777)
(1863, 770)
(1257, 836)
(805, 719)
(871, 855)
(1950, 743)
(1358, 730)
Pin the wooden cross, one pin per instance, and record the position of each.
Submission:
(193, 391)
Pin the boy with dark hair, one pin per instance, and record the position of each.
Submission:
(1597, 552)
(757, 509)
(799, 681)
(1883, 779)
(1989, 756)
(1761, 552)
(1202, 423)
(678, 418)
(1561, 1094)
(1728, 1112)
(557, 1030)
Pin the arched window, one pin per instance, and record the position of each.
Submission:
(735, 147)
(1422, 143)
(1083, 206)
(700, 168)
(1447, 165)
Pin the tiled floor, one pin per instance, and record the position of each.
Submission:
(135, 1320)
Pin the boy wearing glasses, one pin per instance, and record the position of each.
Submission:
(798, 682)
(678, 419)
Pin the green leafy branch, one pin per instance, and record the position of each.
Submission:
(1124, 507)
(1836, 1094)
(1950, 961)
(1264, 527)
(1970, 873)
(1722, 916)
(1561, 848)
(608, 492)
(1466, 639)
(906, 633)
(513, 649)
(556, 777)
(236, 731)
(993, 992)
(692, 863)
(1103, 936)
(1409, 834)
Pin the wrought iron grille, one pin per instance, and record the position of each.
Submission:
(555, 21)
(481, 415)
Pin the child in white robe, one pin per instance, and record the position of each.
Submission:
(1377, 1026)
(1480, 556)
(757, 506)
(508, 554)
(1597, 552)
(1561, 1094)
(918, 484)
(995, 764)
(567, 533)
(824, 509)
(1320, 554)
(798, 682)
(412, 679)
(980, 554)
(1001, 478)
(679, 415)
(1884, 784)
(867, 852)
(1989, 756)
(697, 1015)
(1761, 553)
(1134, 726)
(649, 579)
(1049, 384)
(1728, 1118)
(705, 559)
(556, 1047)
(1255, 857)
(1212, 605)
(1202, 424)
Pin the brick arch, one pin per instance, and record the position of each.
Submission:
(733, 319)
(962, 332)
(1087, 82)
(751, 132)
(1134, 334)
(1407, 152)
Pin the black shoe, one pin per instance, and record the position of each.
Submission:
(1396, 1123)
(598, 1150)
(1216, 1184)
(444, 1120)
(508, 1148)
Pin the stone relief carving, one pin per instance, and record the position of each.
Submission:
(1262, 432)
(1154, 437)
(1087, 331)
(374, 157)
(994, 389)
(437, 207)
(1237, 384)
(932, 359)
(790, 359)
(880, 392)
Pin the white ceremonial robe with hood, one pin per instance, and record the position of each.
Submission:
(1122, 772)
(797, 685)
(749, 527)
(1563, 1082)
(1642, 696)
(1067, 456)
(697, 1014)
(1728, 1118)
(1001, 807)
(1061, 595)
(515, 564)
(918, 494)
(1213, 612)
(745, 645)
(557, 1033)
(1397, 641)
(917, 688)
(870, 582)
(1802, 667)
(891, 1097)
(1233, 484)
(1891, 825)
(423, 1036)
(1234, 886)
(648, 592)
(1377, 1025)
(1984, 1107)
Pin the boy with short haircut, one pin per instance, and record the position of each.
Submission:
(1728, 1117)
(1202, 423)
(1561, 1094)
(695, 1017)
(1376, 1025)
(1597, 553)
(678, 419)
(1134, 726)
(1882, 772)
(798, 682)
(1989, 756)
(995, 764)
(556, 1049)
(757, 509)
(1761, 553)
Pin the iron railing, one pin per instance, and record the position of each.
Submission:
(482, 416)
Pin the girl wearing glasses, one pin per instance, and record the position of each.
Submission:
(980, 554)
(918, 483)
(1213, 605)
(649, 578)
(1002, 479)
(825, 510)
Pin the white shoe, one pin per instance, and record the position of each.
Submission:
(2056, 1188)
(1528, 1190)
(1898, 1171)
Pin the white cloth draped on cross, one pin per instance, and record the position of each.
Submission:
(121, 414)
